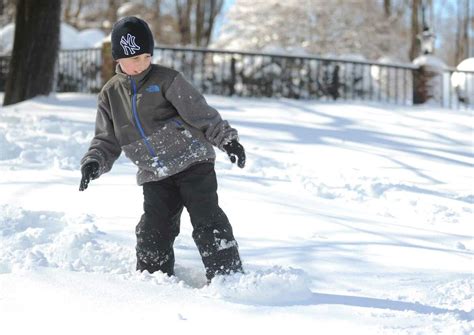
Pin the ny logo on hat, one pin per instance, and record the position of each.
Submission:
(128, 45)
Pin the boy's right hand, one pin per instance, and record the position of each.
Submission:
(90, 171)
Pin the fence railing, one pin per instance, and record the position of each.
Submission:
(4, 63)
(457, 89)
(272, 75)
(79, 70)
(250, 74)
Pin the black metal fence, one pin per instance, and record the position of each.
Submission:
(272, 75)
(457, 89)
(4, 63)
(79, 70)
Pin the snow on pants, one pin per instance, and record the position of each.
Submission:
(196, 189)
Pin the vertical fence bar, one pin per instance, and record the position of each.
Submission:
(366, 81)
(203, 70)
(345, 83)
(469, 95)
(309, 79)
(405, 87)
(382, 78)
(397, 74)
(452, 94)
(353, 80)
(371, 88)
(193, 66)
(223, 67)
(406, 94)
(387, 85)
(233, 75)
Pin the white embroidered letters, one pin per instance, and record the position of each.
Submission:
(128, 45)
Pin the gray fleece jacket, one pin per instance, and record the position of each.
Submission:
(159, 120)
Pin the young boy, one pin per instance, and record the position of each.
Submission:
(164, 126)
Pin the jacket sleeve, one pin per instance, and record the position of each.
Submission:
(193, 108)
(104, 148)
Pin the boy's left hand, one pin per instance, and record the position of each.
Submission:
(90, 171)
(235, 149)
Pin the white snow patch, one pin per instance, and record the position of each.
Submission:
(273, 287)
(70, 38)
(431, 61)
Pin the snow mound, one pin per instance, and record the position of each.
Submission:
(7, 34)
(34, 239)
(430, 61)
(466, 65)
(70, 37)
(455, 293)
(274, 286)
(462, 81)
(49, 239)
(42, 141)
(8, 150)
(92, 37)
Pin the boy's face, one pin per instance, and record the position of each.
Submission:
(135, 65)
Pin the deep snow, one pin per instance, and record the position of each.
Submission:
(349, 217)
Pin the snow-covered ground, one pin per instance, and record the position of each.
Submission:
(350, 218)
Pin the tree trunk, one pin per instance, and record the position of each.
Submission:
(214, 8)
(198, 35)
(387, 8)
(462, 36)
(35, 50)
(157, 18)
(200, 15)
(183, 11)
(469, 30)
(415, 30)
(67, 10)
(465, 36)
(111, 14)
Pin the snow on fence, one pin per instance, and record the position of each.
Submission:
(298, 77)
(271, 75)
(458, 89)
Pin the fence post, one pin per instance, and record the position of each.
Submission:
(108, 64)
(428, 80)
(232, 76)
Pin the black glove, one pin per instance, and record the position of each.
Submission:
(90, 171)
(235, 149)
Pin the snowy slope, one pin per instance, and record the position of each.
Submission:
(349, 217)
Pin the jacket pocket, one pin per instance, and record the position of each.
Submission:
(176, 144)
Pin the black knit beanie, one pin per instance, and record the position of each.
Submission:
(131, 36)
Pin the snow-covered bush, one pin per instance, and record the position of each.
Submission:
(463, 82)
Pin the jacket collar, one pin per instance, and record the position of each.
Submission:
(138, 78)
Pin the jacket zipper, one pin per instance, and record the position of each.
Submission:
(138, 125)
